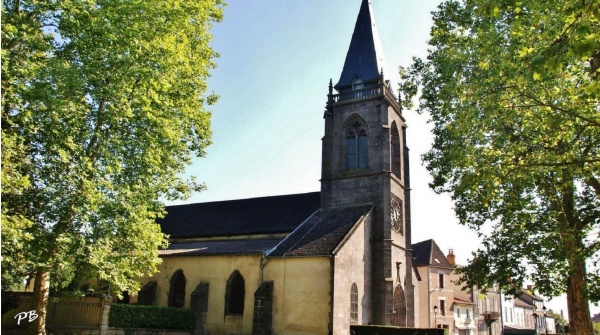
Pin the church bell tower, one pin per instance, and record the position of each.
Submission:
(365, 161)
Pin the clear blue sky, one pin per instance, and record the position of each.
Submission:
(277, 57)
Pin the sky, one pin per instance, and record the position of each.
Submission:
(276, 60)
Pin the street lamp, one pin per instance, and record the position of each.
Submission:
(545, 319)
(435, 309)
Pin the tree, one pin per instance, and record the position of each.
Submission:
(103, 106)
(513, 90)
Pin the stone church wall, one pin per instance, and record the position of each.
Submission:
(214, 270)
(301, 294)
(353, 266)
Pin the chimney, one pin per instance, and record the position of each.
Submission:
(530, 288)
(451, 257)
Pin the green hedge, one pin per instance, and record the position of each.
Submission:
(141, 316)
(385, 330)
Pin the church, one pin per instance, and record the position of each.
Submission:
(312, 263)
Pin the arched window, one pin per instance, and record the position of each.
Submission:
(235, 294)
(177, 290)
(357, 144)
(395, 154)
(147, 294)
(353, 303)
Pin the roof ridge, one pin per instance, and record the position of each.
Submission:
(245, 199)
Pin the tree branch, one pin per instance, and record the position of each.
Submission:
(595, 184)
(556, 108)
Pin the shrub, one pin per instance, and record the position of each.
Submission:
(386, 330)
(141, 316)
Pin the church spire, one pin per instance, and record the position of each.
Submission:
(365, 58)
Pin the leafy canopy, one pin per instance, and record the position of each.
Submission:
(103, 105)
(513, 91)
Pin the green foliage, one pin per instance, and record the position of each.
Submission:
(513, 91)
(597, 328)
(139, 316)
(103, 106)
(387, 330)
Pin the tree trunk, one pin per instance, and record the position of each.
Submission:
(580, 321)
(41, 292)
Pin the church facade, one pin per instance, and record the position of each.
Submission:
(312, 263)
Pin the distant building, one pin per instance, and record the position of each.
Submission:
(537, 304)
(436, 290)
(463, 317)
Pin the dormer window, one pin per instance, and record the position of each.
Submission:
(357, 84)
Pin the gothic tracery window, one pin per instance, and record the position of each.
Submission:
(357, 144)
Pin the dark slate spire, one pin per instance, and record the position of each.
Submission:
(365, 56)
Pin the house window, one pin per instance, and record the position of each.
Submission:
(468, 313)
(354, 303)
(441, 280)
(177, 290)
(235, 294)
(458, 312)
(443, 307)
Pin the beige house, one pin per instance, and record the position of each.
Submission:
(436, 291)
(312, 263)
(463, 317)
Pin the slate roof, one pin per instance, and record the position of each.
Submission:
(365, 55)
(428, 253)
(321, 233)
(520, 303)
(220, 247)
(267, 215)
(459, 301)
(531, 294)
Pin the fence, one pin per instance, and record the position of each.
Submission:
(79, 312)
